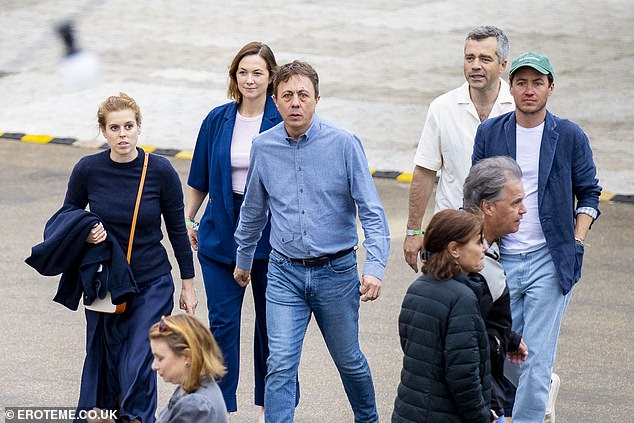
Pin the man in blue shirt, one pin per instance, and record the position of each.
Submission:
(543, 259)
(312, 177)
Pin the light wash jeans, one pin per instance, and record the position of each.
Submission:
(331, 293)
(537, 309)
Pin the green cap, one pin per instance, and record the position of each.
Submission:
(537, 61)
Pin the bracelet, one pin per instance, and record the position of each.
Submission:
(581, 242)
(192, 224)
(411, 232)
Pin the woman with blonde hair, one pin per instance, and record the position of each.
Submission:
(186, 354)
(130, 194)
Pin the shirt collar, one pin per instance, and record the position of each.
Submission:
(307, 136)
(504, 95)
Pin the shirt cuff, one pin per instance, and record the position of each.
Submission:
(589, 211)
(243, 261)
(374, 269)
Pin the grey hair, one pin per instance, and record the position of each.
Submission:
(487, 31)
(487, 178)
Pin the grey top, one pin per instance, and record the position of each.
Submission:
(203, 405)
(493, 271)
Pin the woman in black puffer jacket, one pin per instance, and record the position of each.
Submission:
(446, 366)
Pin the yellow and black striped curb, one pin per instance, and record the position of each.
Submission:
(187, 154)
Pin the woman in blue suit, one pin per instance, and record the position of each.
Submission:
(219, 169)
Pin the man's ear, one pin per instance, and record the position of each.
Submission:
(487, 207)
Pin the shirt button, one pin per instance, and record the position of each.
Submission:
(302, 211)
(301, 190)
(304, 232)
(299, 169)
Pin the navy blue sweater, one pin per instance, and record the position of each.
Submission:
(110, 191)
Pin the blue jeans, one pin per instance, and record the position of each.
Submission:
(331, 293)
(537, 309)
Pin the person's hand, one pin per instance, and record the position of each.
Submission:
(97, 234)
(189, 299)
(520, 355)
(412, 248)
(192, 234)
(370, 288)
(242, 277)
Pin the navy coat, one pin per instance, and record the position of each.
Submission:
(566, 173)
(64, 250)
(211, 172)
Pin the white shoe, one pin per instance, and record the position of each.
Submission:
(552, 397)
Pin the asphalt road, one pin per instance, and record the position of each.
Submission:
(41, 346)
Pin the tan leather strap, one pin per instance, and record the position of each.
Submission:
(136, 206)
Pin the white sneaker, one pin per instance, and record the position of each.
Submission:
(552, 397)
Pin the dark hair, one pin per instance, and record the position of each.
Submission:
(285, 72)
(254, 47)
(487, 179)
(447, 226)
(550, 77)
(487, 31)
(116, 103)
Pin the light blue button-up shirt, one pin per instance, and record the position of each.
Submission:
(312, 189)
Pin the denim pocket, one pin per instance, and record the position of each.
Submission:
(344, 264)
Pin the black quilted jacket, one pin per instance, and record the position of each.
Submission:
(446, 365)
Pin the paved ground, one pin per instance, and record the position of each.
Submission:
(380, 63)
(41, 343)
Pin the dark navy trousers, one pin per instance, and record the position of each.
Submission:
(224, 302)
(118, 371)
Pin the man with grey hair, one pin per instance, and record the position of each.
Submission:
(452, 120)
(494, 185)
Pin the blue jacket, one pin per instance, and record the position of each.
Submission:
(64, 250)
(211, 172)
(566, 172)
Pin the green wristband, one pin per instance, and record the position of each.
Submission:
(411, 232)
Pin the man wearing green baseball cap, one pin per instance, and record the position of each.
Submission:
(543, 259)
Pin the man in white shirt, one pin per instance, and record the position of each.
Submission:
(446, 142)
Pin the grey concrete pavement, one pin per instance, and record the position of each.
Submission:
(41, 342)
(380, 64)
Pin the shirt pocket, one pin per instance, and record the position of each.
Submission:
(286, 237)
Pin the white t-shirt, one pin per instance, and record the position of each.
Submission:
(244, 130)
(446, 143)
(530, 236)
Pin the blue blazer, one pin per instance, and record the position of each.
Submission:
(566, 173)
(210, 172)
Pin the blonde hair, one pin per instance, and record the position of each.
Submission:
(117, 103)
(184, 332)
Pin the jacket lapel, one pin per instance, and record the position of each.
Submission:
(510, 137)
(224, 159)
(546, 155)
(271, 116)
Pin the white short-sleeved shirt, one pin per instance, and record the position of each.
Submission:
(446, 143)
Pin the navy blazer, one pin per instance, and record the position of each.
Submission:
(210, 172)
(65, 250)
(566, 173)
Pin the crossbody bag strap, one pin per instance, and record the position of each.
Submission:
(136, 206)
